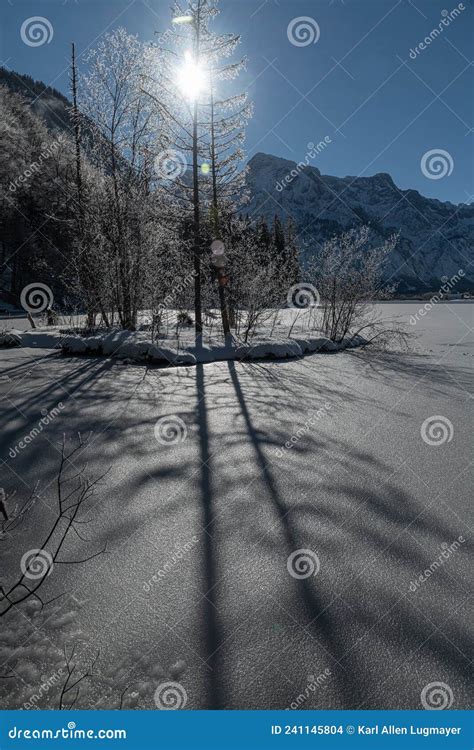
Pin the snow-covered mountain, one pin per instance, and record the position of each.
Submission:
(436, 239)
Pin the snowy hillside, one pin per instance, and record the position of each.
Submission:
(436, 239)
(45, 101)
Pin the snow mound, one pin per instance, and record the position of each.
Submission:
(356, 341)
(270, 349)
(128, 346)
(42, 338)
(136, 346)
(10, 338)
(326, 345)
(311, 345)
(171, 356)
(74, 345)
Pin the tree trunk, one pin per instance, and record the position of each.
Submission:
(84, 270)
(219, 272)
(197, 232)
(197, 229)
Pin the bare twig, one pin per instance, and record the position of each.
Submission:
(71, 500)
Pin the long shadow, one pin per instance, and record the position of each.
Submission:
(86, 375)
(412, 367)
(390, 510)
(210, 616)
(319, 621)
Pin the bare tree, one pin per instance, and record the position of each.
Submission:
(124, 140)
(74, 490)
(348, 277)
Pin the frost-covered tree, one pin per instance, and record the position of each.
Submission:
(348, 275)
(254, 276)
(124, 142)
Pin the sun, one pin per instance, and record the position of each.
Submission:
(191, 78)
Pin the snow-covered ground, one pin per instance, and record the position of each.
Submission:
(217, 474)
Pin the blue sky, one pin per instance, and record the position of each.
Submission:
(357, 84)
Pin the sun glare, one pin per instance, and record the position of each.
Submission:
(191, 78)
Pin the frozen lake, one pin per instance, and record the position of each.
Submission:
(324, 454)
